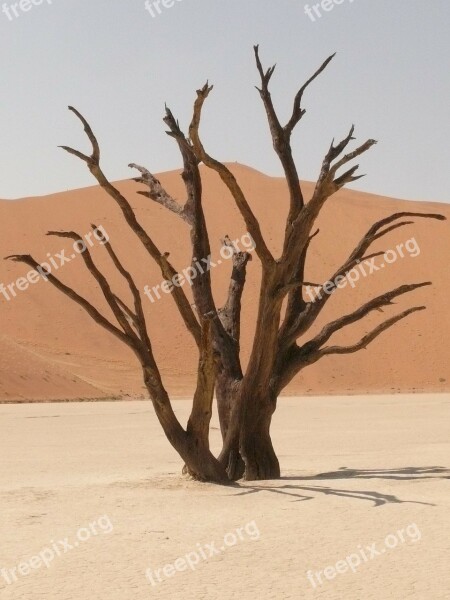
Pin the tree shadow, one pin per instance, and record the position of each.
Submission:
(377, 498)
(402, 473)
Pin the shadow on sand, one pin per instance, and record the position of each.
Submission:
(378, 499)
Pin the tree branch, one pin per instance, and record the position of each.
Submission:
(296, 303)
(129, 314)
(297, 111)
(102, 281)
(358, 254)
(297, 358)
(326, 186)
(138, 316)
(374, 304)
(158, 194)
(201, 285)
(368, 338)
(70, 293)
(167, 270)
(223, 343)
(299, 318)
(281, 136)
(230, 313)
(376, 231)
(228, 179)
(281, 142)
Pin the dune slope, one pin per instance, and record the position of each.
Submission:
(50, 349)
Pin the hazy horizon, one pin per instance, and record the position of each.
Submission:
(118, 65)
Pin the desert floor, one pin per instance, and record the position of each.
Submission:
(96, 491)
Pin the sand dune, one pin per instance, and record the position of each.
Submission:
(49, 349)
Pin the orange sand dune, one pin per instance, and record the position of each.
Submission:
(50, 349)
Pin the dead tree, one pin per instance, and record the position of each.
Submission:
(281, 348)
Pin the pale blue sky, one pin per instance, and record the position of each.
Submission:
(118, 65)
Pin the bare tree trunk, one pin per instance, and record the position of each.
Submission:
(192, 445)
(256, 446)
(227, 394)
(248, 451)
(200, 463)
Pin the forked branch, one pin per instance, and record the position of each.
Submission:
(328, 183)
(371, 336)
(109, 296)
(375, 304)
(138, 316)
(377, 231)
(281, 135)
(297, 110)
(299, 317)
(228, 179)
(308, 354)
(167, 270)
(157, 193)
(192, 213)
(70, 293)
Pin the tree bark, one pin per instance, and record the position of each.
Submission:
(227, 394)
(256, 446)
(192, 445)
(201, 464)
